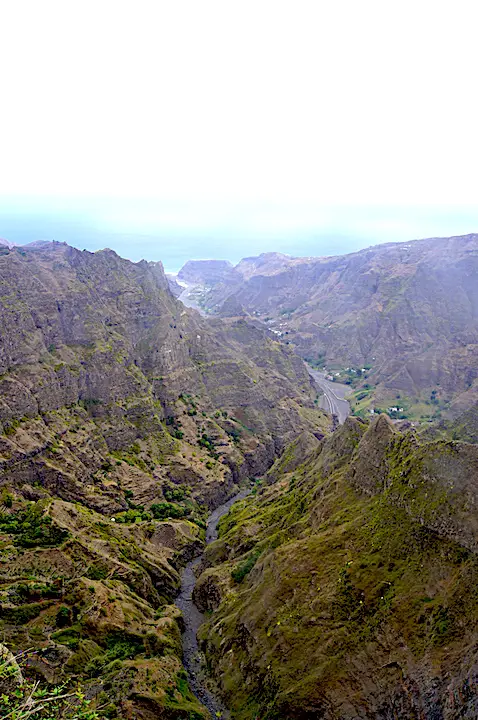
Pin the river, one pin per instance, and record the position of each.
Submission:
(193, 619)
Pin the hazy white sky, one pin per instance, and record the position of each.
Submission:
(242, 119)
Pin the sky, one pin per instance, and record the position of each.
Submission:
(171, 130)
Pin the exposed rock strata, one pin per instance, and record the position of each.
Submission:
(409, 310)
(124, 417)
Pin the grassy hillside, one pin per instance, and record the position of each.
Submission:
(347, 587)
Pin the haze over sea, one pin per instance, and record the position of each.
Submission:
(173, 234)
(196, 130)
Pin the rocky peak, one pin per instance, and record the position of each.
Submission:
(369, 465)
(206, 272)
(263, 264)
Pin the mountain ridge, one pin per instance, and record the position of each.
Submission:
(409, 311)
(124, 419)
(343, 588)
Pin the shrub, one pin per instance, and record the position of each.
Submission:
(6, 498)
(27, 699)
(133, 515)
(95, 572)
(32, 528)
(174, 493)
(207, 442)
(244, 568)
(36, 591)
(167, 510)
(63, 617)
(11, 427)
(22, 614)
(234, 433)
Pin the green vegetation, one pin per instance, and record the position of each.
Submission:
(175, 492)
(173, 424)
(207, 442)
(244, 568)
(27, 699)
(96, 572)
(234, 433)
(164, 510)
(132, 458)
(63, 617)
(422, 409)
(342, 571)
(133, 516)
(119, 646)
(191, 407)
(34, 591)
(31, 527)
(317, 361)
(6, 498)
(22, 613)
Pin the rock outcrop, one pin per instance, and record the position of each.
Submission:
(101, 367)
(124, 418)
(407, 312)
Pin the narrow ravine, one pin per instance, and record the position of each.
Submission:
(192, 659)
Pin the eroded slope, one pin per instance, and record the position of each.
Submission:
(407, 312)
(124, 418)
(346, 588)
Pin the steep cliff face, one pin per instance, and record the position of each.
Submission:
(123, 418)
(94, 341)
(347, 587)
(265, 264)
(409, 311)
(208, 272)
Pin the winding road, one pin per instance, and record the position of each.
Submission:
(333, 400)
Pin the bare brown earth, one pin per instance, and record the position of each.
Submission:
(407, 310)
(124, 418)
(344, 587)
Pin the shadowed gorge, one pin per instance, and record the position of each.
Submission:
(125, 419)
(341, 584)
